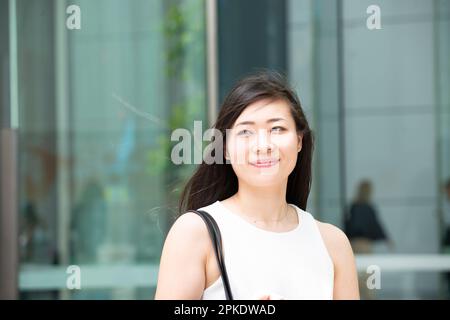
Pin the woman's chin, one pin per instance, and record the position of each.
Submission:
(259, 180)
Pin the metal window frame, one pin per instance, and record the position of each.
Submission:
(9, 240)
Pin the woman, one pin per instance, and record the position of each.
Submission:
(273, 248)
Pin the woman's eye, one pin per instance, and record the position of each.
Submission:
(244, 132)
(278, 129)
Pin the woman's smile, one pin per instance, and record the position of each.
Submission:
(266, 163)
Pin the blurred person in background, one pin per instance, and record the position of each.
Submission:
(363, 228)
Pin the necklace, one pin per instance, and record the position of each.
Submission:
(276, 220)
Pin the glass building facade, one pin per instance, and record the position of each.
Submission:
(87, 113)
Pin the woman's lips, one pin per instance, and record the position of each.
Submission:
(264, 164)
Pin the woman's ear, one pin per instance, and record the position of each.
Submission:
(225, 154)
(300, 142)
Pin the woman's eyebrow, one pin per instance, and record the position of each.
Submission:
(252, 122)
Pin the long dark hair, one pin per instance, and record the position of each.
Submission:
(218, 181)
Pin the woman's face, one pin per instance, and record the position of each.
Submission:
(263, 143)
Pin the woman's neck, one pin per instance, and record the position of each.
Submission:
(267, 205)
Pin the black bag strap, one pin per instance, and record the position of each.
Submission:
(216, 239)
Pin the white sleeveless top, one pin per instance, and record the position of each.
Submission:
(294, 264)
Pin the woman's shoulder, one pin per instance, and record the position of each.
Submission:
(190, 224)
(336, 242)
(331, 231)
(189, 231)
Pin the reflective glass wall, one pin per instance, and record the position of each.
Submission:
(100, 87)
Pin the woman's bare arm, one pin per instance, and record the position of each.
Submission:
(345, 273)
(181, 273)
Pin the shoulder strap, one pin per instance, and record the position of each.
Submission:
(216, 239)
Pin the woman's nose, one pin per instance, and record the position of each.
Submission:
(263, 143)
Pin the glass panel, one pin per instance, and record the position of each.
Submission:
(251, 35)
(313, 71)
(367, 93)
(97, 107)
(390, 94)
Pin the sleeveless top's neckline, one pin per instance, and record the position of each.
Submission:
(275, 233)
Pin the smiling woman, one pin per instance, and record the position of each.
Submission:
(272, 247)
